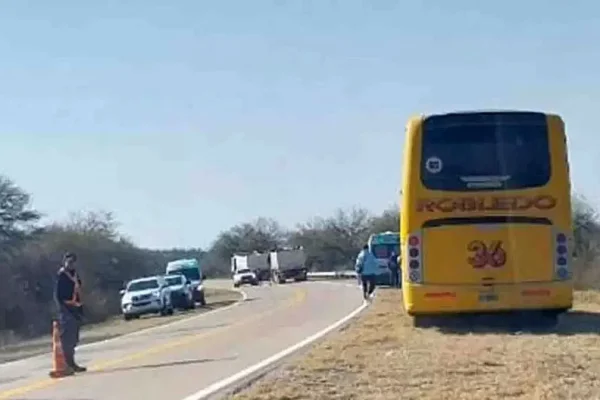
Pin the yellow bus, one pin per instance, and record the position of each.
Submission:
(486, 221)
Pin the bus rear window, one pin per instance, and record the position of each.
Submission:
(493, 153)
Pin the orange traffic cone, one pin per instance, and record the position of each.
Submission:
(59, 366)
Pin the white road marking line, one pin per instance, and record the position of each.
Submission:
(133, 334)
(222, 384)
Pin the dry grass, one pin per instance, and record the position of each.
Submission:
(116, 326)
(382, 356)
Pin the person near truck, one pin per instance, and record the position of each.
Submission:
(70, 310)
(367, 268)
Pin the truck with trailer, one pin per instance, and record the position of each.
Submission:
(288, 263)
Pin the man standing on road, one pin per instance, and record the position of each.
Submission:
(394, 270)
(70, 310)
(367, 268)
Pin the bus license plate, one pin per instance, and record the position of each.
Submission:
(487, 297)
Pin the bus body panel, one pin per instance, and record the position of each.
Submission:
(458, 257)
(452, 225)
(434, 299)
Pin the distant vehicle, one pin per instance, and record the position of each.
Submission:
(288, 264)
(381, 245)
(150, 295)
(486, 218)
(192, 270)
(182, 293)
(244, 276)
(255, 262)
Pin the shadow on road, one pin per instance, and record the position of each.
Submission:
(572, 323)
(248, 299)
(217, 304)
(161, 365)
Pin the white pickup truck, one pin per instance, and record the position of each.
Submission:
(288, 264)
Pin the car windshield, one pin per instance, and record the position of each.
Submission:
(142, 285)
(243, 271)
(174, 280)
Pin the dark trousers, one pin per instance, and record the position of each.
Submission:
(395, 277)
(368, 284)
(69, 325)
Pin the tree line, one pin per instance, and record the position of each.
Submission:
(31, 252)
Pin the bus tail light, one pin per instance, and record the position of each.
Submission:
(561, 256)
(414, 258)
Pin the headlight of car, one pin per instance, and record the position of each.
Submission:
(156, 295)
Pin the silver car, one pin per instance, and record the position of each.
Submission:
(150, 295)
(182, 292)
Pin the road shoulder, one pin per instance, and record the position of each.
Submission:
(116, 327)
(381, 355)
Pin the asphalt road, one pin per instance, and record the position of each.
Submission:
(176, 361)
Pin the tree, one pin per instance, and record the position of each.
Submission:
(389, 220)
(586, 235)
(99, 222)
(17, 219)
(333, 242)
(263, 234)
(586, 229)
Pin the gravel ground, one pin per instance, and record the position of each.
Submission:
(382, 356)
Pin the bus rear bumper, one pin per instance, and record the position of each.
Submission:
(432, 299)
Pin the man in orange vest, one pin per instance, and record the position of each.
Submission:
(70, 310)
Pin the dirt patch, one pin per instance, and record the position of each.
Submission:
(382, 356)
(215, 298)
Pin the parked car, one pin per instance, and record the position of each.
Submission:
(149, 295)
(242, 276)
(192, 269)
(182, 292)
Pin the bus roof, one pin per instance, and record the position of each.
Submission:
(482, 113)
(384, 237)
(183, 263)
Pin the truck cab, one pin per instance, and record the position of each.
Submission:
(256, 262)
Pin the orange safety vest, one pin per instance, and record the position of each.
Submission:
(76, 298)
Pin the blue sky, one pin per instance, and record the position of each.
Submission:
(186, 117)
